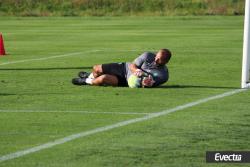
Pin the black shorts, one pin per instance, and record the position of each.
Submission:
(118, 70)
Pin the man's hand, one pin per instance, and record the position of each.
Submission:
(148, 81)
(138, 72)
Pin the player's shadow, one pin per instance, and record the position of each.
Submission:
(45, 69)
(196, 86)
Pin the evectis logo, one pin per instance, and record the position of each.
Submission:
(224, 158)
(228, 156)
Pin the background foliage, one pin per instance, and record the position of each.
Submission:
(120, 7)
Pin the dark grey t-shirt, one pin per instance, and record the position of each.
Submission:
(146, 63)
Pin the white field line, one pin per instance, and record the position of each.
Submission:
(46, 58)
(113, 126)
(63, 55)
(81, 112)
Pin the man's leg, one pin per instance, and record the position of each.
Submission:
(86, 78)
(105, 80)
(105, 74)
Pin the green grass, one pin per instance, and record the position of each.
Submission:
(206, 61)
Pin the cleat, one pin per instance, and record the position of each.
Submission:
(79, 81)
(83, 74)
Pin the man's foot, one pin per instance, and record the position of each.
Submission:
(79, 81)
(83, 74)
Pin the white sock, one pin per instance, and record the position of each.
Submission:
(89, 81)
(91, 76)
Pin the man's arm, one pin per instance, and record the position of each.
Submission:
(147, 82)
(135, 70)
(135, 67)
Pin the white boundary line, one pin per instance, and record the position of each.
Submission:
(46, 58)
(81, 112)
(63, 55)
(113, 126)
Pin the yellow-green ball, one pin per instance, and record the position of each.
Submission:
(134, 81)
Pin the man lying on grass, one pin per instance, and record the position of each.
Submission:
(147, 70)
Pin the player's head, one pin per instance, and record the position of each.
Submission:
(163, 56)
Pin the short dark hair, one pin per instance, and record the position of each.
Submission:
(168, 54)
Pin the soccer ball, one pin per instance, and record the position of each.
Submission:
(134, 81)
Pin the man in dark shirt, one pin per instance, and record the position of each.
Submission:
(117, 74)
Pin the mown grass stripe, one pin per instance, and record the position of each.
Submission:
(113, 126)
(81, 112)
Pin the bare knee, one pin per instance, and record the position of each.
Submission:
(97, 70)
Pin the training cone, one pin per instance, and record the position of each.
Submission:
(2, 50)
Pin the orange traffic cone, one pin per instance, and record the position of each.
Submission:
(2, 50)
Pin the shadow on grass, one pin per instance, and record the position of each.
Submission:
(7, 94)
(33, 94)
(196, 86)
(44, 69)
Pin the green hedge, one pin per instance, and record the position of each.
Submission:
(120, 7)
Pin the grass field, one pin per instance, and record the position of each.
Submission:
(38, 103)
